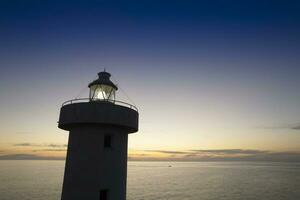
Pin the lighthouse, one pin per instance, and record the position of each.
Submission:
(96, 163)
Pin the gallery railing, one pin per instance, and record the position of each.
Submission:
(82, 100)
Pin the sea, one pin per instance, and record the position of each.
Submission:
(42, 180)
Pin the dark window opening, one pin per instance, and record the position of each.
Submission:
(107, 141)
(103, 194)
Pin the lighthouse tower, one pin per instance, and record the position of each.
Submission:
(96, 163)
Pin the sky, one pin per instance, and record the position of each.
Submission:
(213, 80)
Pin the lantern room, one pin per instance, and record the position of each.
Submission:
(103, 89)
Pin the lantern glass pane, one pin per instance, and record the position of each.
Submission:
(102, 92)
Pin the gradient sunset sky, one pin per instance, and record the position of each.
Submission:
(211, 79)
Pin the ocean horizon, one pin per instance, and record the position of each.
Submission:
(42, 179)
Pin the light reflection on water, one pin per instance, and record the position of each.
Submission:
(35, 180)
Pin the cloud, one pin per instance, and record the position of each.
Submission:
(23, 144)
(211, 151)
(187, 155)
(167, 152)
(43, 147)
(28, 157)
(40, 145)
(37, 150)
(221, 155)
(296, 127)
(230, 151)
(56, 145)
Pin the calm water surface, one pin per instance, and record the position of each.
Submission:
(42, 180)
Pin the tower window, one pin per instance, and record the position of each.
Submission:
(104, 194)
(107, 141)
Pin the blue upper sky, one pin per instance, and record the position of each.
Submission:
(225, 74)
